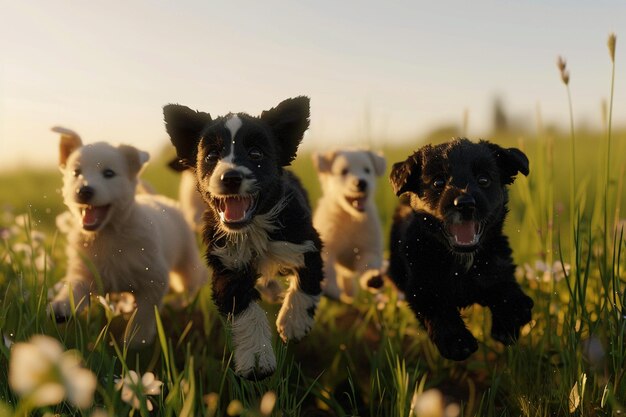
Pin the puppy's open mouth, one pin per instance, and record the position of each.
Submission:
(357, 202)
(236, 210)
(464, 235)
(92, 217)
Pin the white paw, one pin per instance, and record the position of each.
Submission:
(297, 315)
(252, 344)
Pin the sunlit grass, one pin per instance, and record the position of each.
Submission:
(370, 358)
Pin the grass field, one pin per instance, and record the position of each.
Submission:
(370, 358)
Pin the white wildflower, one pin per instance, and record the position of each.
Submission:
(79, 382)
(41, 370)
(235, 408)
(116, 304)
(130, 385)
(21, 220)
(546, 273)
(427, 404)
(267, 403)
(22, 248)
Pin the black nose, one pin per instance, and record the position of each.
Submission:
(84, 194)
(361, 185)
(465, 203)
(231, 180)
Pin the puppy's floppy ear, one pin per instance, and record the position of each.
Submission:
(405, 176)
(510, 161)
(135, 158)
(379, 162)
(184, 127)
(288, 121)
(323, 162)
(69, 142)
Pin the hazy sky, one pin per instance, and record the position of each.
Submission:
(390, 70)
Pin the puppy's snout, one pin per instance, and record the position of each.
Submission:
(361, 185)
(232, 180)
(465, 203)
(84, 194)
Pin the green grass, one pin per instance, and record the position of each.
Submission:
(369, 358)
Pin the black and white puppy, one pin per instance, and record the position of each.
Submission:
(448, 250)
(258, 220)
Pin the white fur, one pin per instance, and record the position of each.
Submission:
(252, 342)
(360, 256)
(143, 240)
(253, 242)
(294, 320)
(191, 203)
(232, 124)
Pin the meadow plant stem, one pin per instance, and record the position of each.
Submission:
(611, 44)
(572, 182)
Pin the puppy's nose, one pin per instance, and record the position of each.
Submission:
(84, 194)
(361, 185)
(231, 180)
(465, 203)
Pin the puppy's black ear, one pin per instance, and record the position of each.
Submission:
(289, 120)
(176, 165)
(184, 127)
(406, 176)
(510, 161)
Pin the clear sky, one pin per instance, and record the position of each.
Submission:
(388, 71)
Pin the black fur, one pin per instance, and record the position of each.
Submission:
(254, 159)
(453, 189)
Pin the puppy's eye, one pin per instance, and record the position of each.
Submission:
(77, 172)
(439, 183)
(484, 180)
(108, 173)
(367, 170)
(344, 171)
(255, 154)
(212, 157)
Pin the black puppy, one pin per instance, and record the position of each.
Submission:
(448, 250)
(258, 221)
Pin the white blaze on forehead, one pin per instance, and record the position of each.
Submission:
(232, 125)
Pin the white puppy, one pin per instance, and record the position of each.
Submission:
(347, 220)
(121, 241)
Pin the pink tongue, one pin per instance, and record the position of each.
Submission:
(235, 209)
(464, 232)
(93, 215)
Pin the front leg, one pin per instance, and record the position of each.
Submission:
(149, 292)
(369, 268)
(443, 323)
(297, 314)
(510, 310)
(78, 284)
(331, 287)
(236, 298)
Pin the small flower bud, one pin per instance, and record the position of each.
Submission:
(611, 44)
